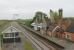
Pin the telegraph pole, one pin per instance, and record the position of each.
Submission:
(13, 18)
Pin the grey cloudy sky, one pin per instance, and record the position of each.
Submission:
(27, 8)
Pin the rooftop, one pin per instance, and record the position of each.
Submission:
(10, 29)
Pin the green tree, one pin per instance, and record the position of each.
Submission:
(56, 17)
(39, 17)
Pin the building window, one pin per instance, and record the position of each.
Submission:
(11, 34)
(16, 34)
(7, 35)
(68, 36)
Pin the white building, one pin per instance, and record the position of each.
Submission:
(38, 26)
(10, 33)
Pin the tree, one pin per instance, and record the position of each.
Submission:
(39, 17)
(55, 16)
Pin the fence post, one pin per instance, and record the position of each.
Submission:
(0, 42)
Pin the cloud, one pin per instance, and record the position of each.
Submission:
(27, 8)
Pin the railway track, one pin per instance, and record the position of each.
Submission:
(34, 43)
(38, 42)
(44, 42)
(28, 37)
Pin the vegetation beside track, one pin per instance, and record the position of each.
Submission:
(3, 23)
(28, 46)
(26, 22)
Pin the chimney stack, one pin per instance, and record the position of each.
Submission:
(51, 16)
(60, 13)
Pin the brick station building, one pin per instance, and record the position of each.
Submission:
(70, 32)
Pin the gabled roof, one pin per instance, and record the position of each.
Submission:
(10, 29)
(71, 28)
(58, 29)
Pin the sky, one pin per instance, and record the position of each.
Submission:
(25, 9)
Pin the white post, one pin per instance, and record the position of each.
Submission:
(14, 39)
(0, 43)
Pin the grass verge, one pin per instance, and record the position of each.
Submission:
(28, 45)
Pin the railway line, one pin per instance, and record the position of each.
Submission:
(43, 42)
(38, 42)
(44, 45)
(38, 47)
(43, 38)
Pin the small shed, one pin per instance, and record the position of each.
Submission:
(11, 34)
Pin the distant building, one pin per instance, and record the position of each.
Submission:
(39, 23)
(39, 27)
